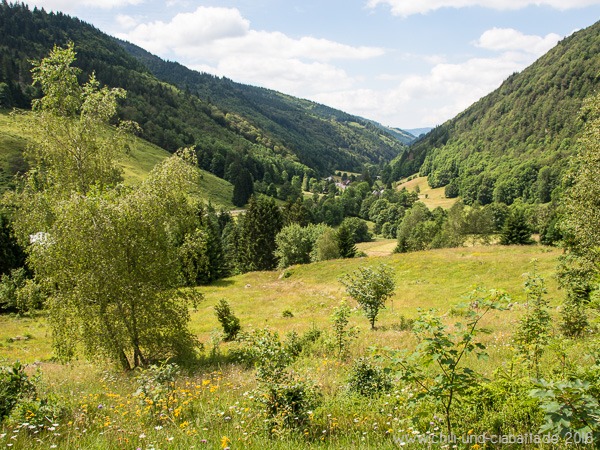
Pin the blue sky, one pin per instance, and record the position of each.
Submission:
(404, 63)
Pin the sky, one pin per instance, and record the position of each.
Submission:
(403, 63)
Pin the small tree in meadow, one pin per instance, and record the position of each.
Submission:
(227, 319)
(533, 331)
(342, 334)
(437, 366)
(370, 288)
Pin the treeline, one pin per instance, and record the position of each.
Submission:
(512, 143)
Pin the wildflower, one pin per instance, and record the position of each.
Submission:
(158, 427)
(225, 442)
(142, 436)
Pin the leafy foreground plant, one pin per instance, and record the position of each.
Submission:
(533, 331)
(286, 398)
(14, 385)
(570, 411)
(443, 352)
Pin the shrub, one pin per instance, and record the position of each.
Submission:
(155, 388)
(533, 331)
(40, 412)
(405, 324)
(293, 344)
(286, 399)
(229, 322)
(342, 334)
(368, 379)
(437, 366)
(14, 385)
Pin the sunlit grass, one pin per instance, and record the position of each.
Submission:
(215, 405)
(431, 197)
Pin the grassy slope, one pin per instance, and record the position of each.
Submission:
(431, 279)
(142, 158)
(431, 197)
(222, 392)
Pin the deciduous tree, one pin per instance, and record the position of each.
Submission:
(370, 288)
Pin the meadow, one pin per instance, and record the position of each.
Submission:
(432, 197)
(219, 401)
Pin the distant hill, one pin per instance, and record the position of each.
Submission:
(514, 142)
(232, 126)
(418, 131)
(322, 137)
(402, 135)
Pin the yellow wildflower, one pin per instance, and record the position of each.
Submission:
(225, 442)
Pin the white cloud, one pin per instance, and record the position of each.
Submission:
(211, 33)
(126, 22)
(189, 30)
(508, 39)
(406, 8)
(415, 100)
(291, 76)
(72, 5)
(220, 41)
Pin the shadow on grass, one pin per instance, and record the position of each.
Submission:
(222, 283)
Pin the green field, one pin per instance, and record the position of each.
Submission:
(431, 197)
(214, 405)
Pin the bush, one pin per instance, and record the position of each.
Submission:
(285, 398)
(229, 322)
(358, 229)
(155, 388)
(18, 293)
(14, 385)
(40, 412)
(368, 379)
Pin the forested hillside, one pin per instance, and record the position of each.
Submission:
(322, 137)
(264, 132)
(514, 142)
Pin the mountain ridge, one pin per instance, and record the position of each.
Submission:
(171, 117)
(514, 142)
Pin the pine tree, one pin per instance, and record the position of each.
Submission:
(260, 225)
(516, 230)
(345, 242)
(243, 187)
